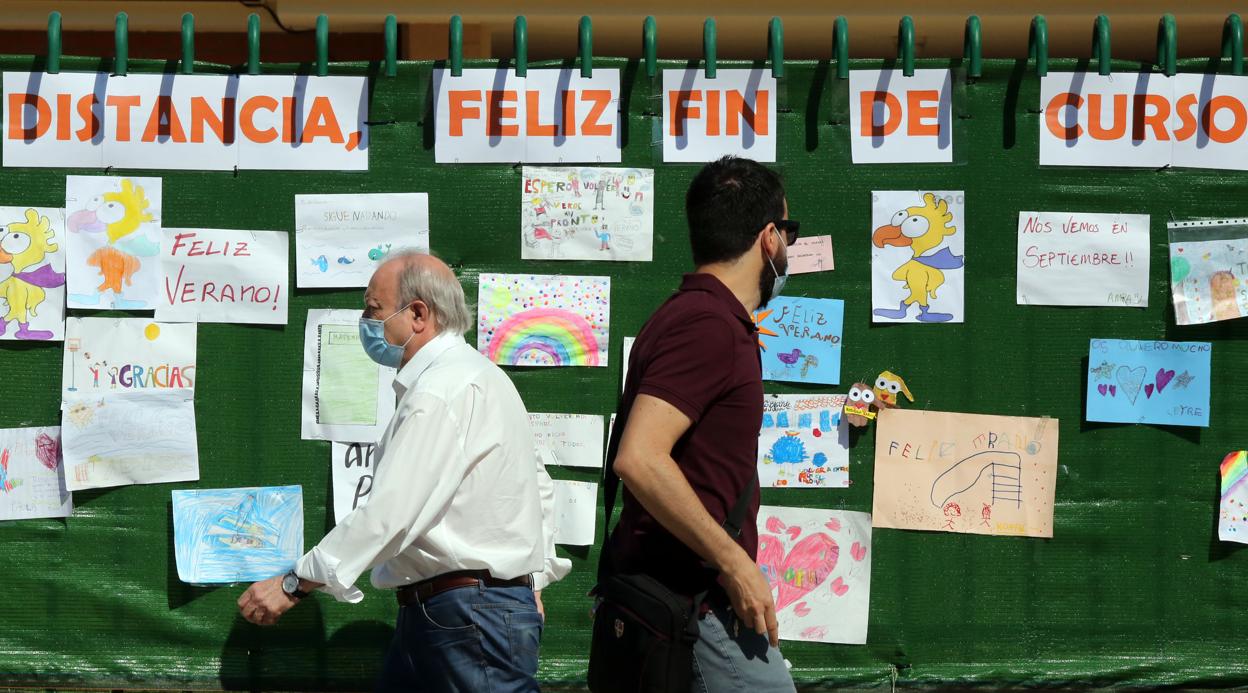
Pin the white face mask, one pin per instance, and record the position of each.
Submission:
(777, 284)
(373, 339)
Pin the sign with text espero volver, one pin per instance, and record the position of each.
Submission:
(1144, 120)
(200, 122)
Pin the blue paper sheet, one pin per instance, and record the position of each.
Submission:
(237, 534)
(1157, 382)
(801, 339)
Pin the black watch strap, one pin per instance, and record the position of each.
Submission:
(296, 592)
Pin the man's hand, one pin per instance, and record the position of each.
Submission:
(265, 601)
(751, 597)
(541, 609)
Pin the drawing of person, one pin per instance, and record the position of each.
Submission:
(986, 514)
(1222, 288)
(599, 193)
(575, 181)
(952, 510)
(605, 238)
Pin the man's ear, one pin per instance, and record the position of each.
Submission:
(770, 238)
(421, 315)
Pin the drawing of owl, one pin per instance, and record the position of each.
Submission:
(887, 386)
(857, 409)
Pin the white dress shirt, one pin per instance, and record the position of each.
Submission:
(458, 484)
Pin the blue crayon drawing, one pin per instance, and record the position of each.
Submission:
(801, 339)
(237, 534)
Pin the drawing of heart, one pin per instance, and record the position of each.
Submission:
(1163, 378)
(775, 525)
(839, 587)
(807, 565)
(833, 524)
(1148, 391)
(1113, 390)
(794, 532)
(1102, 389)
(858, 551)
(1131, 380)
(801, 609)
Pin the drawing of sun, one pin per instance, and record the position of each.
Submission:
(152, 332)
(758, 319)
(81, 414)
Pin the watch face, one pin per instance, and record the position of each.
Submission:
(290, 584)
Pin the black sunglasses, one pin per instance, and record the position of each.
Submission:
(789, 228)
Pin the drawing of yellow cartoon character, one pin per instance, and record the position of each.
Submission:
(922, 228)
(25, 247)
(119, 215)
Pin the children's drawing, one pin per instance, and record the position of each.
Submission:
(237, 534)
(113, 240)
(917, 258)
(544, 320)
(818, 563)
(341, 239)
(1209, 270)
(32, 478)
(144, 437)
(108, 356)
(801, 339)
(1233, 508)
(965, 473)
(888, 390)
(32, 273)
(1156, 382)
(802, 443)
(584, 213)
(574, 440)
(576, 511)
(347, 397)
(859, 407)
(352, 472)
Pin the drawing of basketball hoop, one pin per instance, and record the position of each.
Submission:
(73, 345)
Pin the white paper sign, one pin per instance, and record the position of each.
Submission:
(899, 119)
(1083, 259)
(550, 116)
(200, 122)
(113, 240)
(219, 275)
(811, 254)
(1105, 120)
(110, 356)
(352, 470)
(570, 213)
(918, 241)
(705, 119)
(575, 440)
(628, 351)
(137, 437)
(1209, 122)
(347, 397)
(576, 512)
(32, 477)
(341, 239)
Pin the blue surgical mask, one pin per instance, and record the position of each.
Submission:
(373, 339)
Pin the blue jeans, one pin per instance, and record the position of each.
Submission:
(467, 640)
(728, 657)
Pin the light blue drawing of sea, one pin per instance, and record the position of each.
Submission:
(237, 534)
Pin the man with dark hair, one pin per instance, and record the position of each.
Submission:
(685, 443)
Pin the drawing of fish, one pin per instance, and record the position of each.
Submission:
(344, 260)
(1105, 371)
(378, 253)
(1182, 380)
(321, 263)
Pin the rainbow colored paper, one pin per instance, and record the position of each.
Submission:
(543, 320)
(1233, 508)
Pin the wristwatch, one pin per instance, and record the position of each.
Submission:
(290, 585)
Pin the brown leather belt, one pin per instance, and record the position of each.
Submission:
(423, 590)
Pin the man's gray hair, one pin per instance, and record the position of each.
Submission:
(440, 291)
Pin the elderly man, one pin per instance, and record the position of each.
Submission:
(460, 518)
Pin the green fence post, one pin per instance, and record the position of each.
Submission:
(775, 47)
(188, 43)
(585, 46)
(1038, 44)
(650, 45)
(253, 44)
(1167, 44)
(391, 33)
(905, 45)
(1100, 43)
(972, 47)
(840, 47)
(322, 45)
(710, 39)
(121, 44)
(520, 40)
(53, 65)
(1233, 43)
(455, 53)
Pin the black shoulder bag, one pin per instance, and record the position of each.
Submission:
(643, 632)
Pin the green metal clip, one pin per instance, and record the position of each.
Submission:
(188, 43)
(710, 40)
(322, 45)
(775, 46)
(585, 46)
(840, 47)
(253, 44)
(650, 45)
(1100, 43)
(972, 47)
(1038, 44)
(456, 51)
(391, 34)
(54, 43)
(520, 37)
(1167, 44)
(1233, 43)
(121, 44)
(905, 45)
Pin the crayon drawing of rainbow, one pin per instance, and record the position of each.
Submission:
(544, 336)
(1234, 470)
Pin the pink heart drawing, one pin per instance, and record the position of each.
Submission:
(1163, 378)
(774, 525)
(1102, 388)
(858, 551)
(815, 633)
(1148, 390)
(801, 609)
(1113, 390)
(833, 524)
(794, 532)
(839, 587)
(806, 566)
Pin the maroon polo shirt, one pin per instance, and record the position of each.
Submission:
(699, 353)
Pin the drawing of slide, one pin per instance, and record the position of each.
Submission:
(1004, 469)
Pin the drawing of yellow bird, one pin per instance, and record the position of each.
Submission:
(887, 386)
